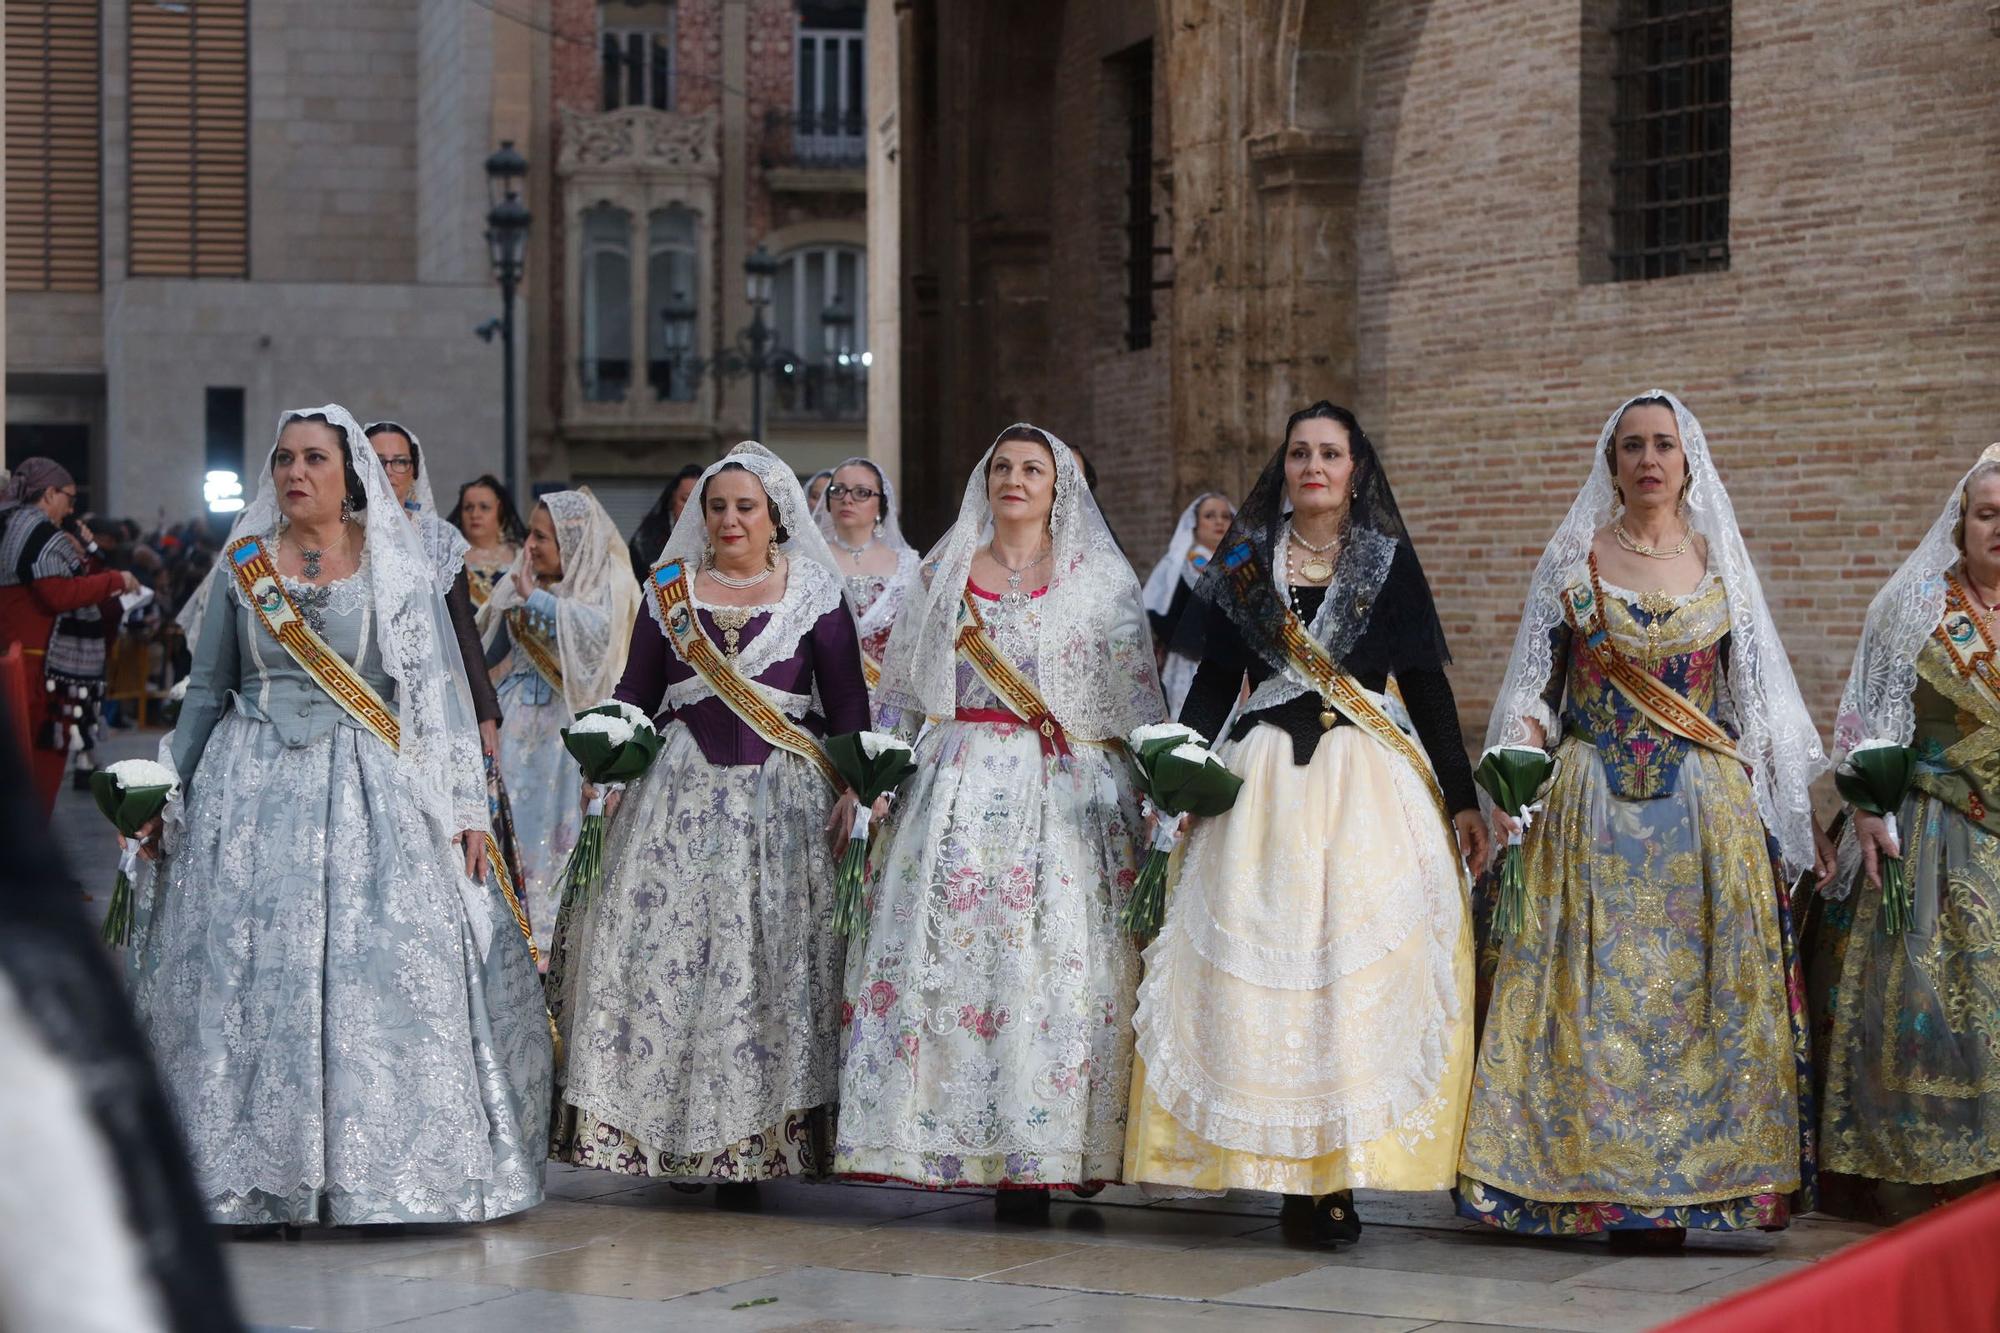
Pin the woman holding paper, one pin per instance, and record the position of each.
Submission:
(1305, 1026)
(702, 1013)
(1642, 1064)
(988, 1006)
(1903, 1019)
(555, 630)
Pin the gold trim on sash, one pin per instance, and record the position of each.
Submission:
(257, 576)
(1662, 704)
(1005, 679)
(537, 647)
(673, 590)
(871, 671)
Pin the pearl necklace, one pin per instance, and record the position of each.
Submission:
(1319, 569)
(1636, 547)
(855, 551)
(728, 581)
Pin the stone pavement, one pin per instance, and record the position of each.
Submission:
(614, 1253)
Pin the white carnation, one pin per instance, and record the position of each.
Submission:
(1162, 731)
(636, 716)
(614, 729)
(875, 744)
(1195, 754)
(132, 774)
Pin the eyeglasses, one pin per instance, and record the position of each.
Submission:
(840, 492)
(398, 464)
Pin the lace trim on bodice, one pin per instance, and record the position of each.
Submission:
(811, 591)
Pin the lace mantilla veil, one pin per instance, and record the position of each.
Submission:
(596, 600)
(443, 543)
(1175, 567)
(438, 762)
(1094, 662)
(884, 610)
(1777, 735)
(1878, 703)
(812, 587)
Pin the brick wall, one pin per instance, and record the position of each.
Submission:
(1843, 367)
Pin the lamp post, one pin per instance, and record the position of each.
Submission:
(756, 351)
(506, 245)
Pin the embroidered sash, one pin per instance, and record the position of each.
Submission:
(673, 589)
(258, 577)
(1971, 652)
(1342, 692)
(539, 649)
(1006, 680)
(871, 670)
(1662, 704)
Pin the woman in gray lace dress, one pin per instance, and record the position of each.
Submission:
(340, 1001)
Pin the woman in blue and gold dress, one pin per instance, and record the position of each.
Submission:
(1903, 1025)
(1642, 1065)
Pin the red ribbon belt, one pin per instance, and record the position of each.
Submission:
(1047, 729)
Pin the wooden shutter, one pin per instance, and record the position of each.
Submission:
(54, 184)
(190, 144)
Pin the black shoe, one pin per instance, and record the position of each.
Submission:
(1334, 1221)
(1649, 1240)
(1296, 1212)
(1028, 1206)
(738, 1197)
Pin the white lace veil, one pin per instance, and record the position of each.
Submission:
(884, 609)
(1777, 734)
(596, 599)
(1878, 703)
(438, 761)
(1094, 664)
(1175, 568)
(445, 544)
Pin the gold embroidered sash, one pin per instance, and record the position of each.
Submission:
(1971, 652)
(1342, 692)
(1660, 703)
(539, 649)
(673, 589)
(258, 577)
(1005, 679)
(871, 670)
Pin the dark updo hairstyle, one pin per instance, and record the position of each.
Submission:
(1611, 440)
(357, 498)
(394, 428)
(512, 529)
(1025, 434)
(779, 534)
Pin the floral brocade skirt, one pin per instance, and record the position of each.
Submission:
(697, 993)
(1906, 1028)
(546, 796)
(988, 1013)
(1305, 1025)
(1644, 1059)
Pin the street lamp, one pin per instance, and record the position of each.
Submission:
(506, 245)
(756, 351)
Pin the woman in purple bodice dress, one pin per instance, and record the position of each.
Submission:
(698, 991)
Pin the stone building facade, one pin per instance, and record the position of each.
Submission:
(680, 137)
(288, 201)
(1410, 208)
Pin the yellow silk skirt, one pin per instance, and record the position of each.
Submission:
(1305, 1023)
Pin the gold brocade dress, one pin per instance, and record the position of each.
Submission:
(1643, 1054)
(1907, 1028)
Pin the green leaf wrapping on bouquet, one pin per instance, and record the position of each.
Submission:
(129, 809)
(1511, 775)
(1184, 786)
(602, 761)
(871, 776)
(1876, 779)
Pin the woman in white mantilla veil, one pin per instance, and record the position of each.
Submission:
(1169, 589)
(988, 1009)
(1902, 1024)
(1642, 1067)
(556, 630)
(857, 516)
(702, 1009)
(338, 996)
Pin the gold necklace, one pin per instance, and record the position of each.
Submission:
(1319, 569)
(1626, 540)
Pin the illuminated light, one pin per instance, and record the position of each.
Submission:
(868, 358)
(223, 491)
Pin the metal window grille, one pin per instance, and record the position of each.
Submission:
(1140, 220)
(1670, 169)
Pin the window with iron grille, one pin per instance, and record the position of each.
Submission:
(1133, 69)
(53, 183)
(1670, 126)
(637, 54)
